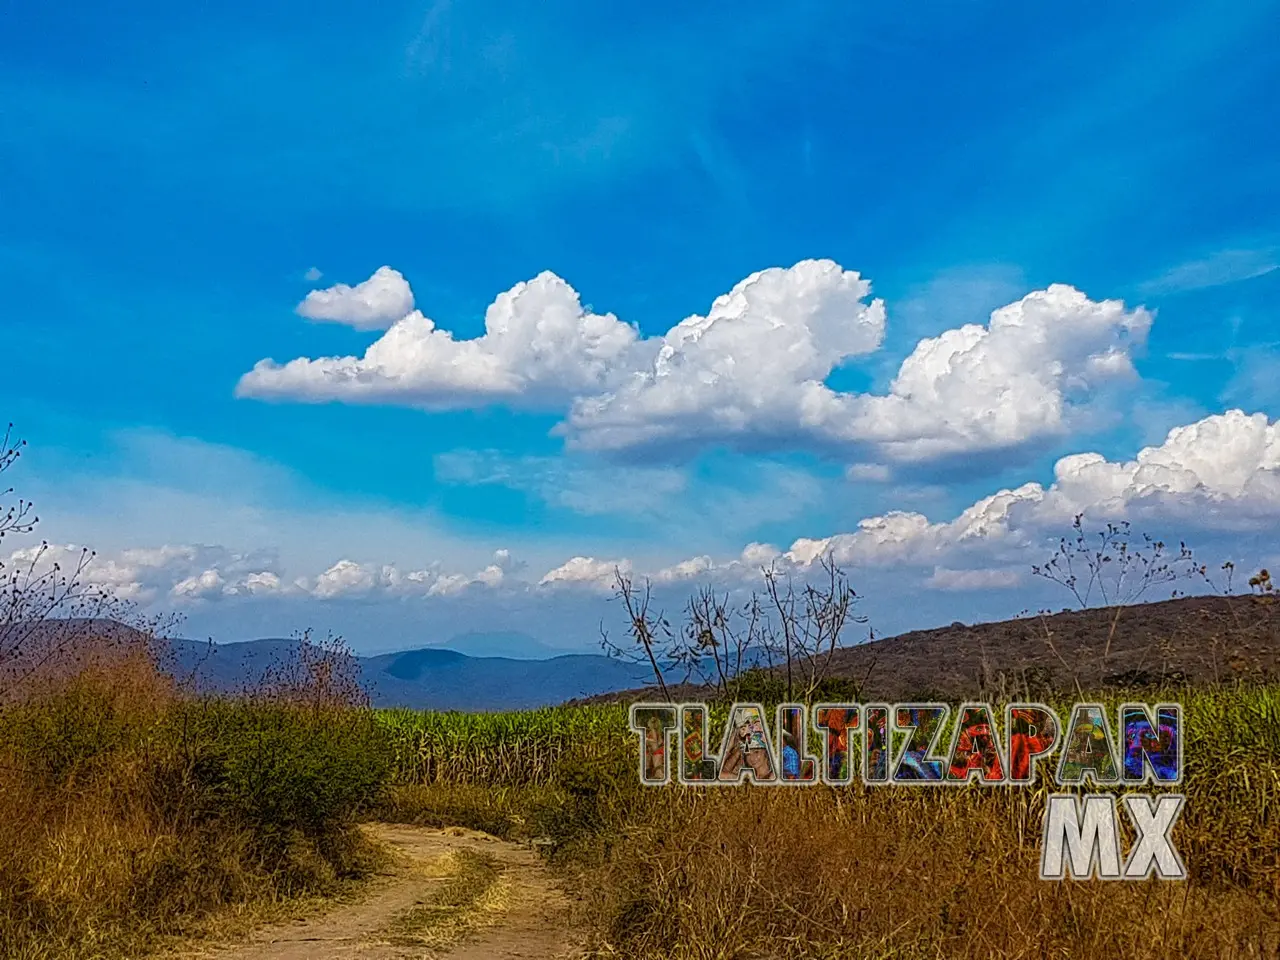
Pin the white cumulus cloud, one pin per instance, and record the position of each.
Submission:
(754, 365)
(750, 373)
(203, 585)
(586, 571)
(255, 584)
(997, 386)
(345, 578)
(540, 348)
(375, 304)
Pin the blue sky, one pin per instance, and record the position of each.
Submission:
(178, 180)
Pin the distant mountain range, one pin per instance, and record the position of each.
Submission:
(436, 678)
(1191, 639)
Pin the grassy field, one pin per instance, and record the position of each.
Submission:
(855, 872)
(500, 749)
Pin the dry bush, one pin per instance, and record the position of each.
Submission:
(138, 811)
(788, 629)
(315, 674)
(653, 643)
(1114, 569)
(104, 858)
(810, 626)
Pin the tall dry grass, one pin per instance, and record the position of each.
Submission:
(713, 874)
(132, 811)
(870, 873)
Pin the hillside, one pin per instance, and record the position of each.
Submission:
(1199, 639)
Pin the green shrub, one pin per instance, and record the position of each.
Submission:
(284, 769)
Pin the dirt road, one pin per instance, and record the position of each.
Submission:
(452, 893)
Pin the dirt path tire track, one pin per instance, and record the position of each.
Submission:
(532, 925)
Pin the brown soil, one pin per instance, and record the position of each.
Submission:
(524, 916)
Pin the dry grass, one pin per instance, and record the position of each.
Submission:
(512, 813)
(948, 872)
(131, 813)
(472, 896)
(912, 872)
(898, 872)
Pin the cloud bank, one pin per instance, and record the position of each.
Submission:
(1220, 475)
(1216, 478)
(751, 371)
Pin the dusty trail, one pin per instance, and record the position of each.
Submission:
(454, 893)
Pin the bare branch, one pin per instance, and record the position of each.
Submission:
(643, 628)
(795, 628)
